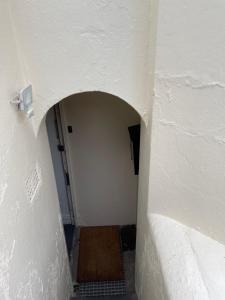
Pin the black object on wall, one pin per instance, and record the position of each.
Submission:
(134, 132)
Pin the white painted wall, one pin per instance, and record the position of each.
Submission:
(79, 46)
(103, 45)
(183, 263)
(76, 46)
(87, 45)
(33, 260)
(108, 46)
(187, 154)
(99, 149)
(188, 139)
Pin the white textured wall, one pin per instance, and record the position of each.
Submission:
(182, 264)
(99, 148)
(187, 172)
(69, 47)
(79, 46)
(33, 260)
(188, 139)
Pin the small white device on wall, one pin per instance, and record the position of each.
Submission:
(24, 101)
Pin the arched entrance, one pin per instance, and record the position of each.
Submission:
(94, 139)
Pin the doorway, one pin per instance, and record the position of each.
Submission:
(61, 172)
(95, 139)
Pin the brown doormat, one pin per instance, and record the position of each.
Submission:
(100, 254)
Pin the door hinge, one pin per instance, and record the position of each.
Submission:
(61, 148)
(67, 178)
(70, 129)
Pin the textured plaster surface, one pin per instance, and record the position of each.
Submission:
(147, 268)
(63, 48)
(192, 264)
(103, 46)
(188, 129)
(33, 259)
(187, 157)
(79, 46)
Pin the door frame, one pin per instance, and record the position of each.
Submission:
(68, 160)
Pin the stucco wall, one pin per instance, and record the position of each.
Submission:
(104, 46)
(79, 46)
(187, 148)
(33, 260)
(188, 138)
(179, 266)
(149, 277)
(103, 178)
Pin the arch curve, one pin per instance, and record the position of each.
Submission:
(100, 145)
(42, 114)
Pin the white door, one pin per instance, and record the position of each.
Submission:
(56, 142)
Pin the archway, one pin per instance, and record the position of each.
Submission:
(99, 153)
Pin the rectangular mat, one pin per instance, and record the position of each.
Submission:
(100, 256)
